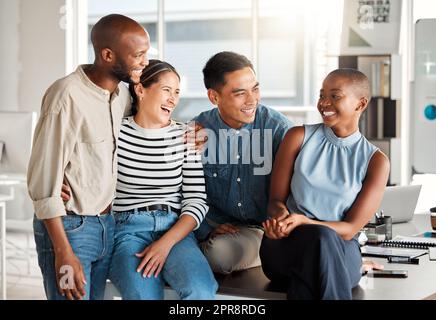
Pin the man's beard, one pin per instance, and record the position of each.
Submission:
(120, 71)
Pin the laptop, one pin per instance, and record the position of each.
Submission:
(400, 202)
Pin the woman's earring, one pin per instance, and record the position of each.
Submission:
(140, 99)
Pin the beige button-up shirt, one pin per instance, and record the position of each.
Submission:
(75, 139)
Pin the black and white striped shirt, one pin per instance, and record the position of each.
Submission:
(155, 166)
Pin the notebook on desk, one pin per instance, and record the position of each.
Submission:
(384, 252)
(410, 242)
(400, 246)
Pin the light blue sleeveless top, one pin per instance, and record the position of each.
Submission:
(328, 173)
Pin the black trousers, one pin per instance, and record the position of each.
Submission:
(314, 262)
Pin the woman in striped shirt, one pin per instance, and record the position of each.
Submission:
(160, 197)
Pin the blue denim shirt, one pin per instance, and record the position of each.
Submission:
(237, 167)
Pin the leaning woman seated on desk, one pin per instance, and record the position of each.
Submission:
(160, 198)
(327, 182)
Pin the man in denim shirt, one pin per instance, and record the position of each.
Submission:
(243, 138)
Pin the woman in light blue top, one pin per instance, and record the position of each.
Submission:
(327, 182)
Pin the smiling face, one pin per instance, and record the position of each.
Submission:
(131, 56)
(238, 98)
(341, 103)
(160, 99)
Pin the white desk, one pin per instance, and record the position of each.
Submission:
(9, 181)
(421, 282)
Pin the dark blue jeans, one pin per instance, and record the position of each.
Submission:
(314, 262)
(91, 238)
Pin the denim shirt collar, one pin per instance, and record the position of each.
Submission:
(247, 126)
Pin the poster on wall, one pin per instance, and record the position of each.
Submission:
(371, 27)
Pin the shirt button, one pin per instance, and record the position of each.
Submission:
(239, 204)
(237, 131)
(238, 156)
(214, 174)
(239, 179)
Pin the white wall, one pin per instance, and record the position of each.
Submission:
(42, 49)
(9, 46)
(32, 51)
(32, 56)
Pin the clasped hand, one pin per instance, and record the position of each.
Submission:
(282, 225)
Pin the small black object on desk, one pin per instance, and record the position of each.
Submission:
(406, 260)
(389, 274)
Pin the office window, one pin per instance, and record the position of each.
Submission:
(143, 11)
(298, 45)
(196, 30)
(293, 44)
(280, 52)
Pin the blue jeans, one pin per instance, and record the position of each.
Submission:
(186, 269)
(91, 238)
